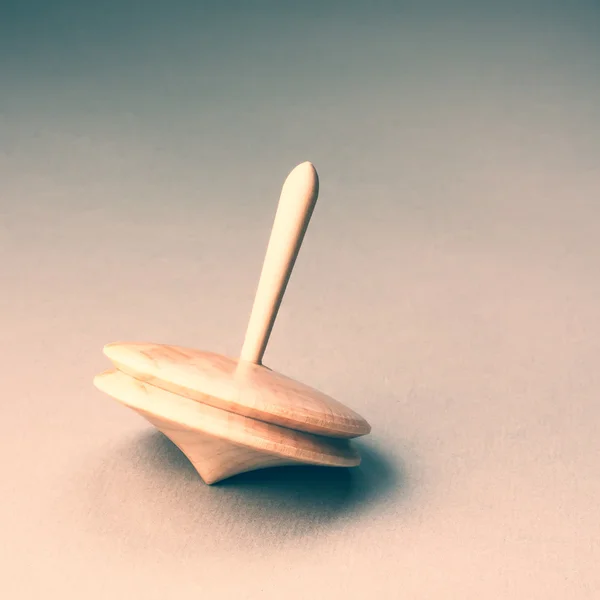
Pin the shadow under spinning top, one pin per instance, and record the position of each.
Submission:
(230, 416)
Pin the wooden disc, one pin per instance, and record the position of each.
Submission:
(238, 387)
(165, 409)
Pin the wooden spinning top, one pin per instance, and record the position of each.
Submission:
(230, 416)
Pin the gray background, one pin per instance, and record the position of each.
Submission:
(447, 290)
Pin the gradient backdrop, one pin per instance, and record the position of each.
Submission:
(448, 289)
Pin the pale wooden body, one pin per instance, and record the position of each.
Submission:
(243, 388)
(229, 416)
(219, 443)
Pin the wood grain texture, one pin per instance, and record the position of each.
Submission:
(219, 443)
(242, 388)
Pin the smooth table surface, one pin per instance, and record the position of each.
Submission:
(448, 290)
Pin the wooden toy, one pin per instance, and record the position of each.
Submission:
(230, 416)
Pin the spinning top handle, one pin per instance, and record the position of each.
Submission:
(296, 204)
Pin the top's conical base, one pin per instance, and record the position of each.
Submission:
(218, 443)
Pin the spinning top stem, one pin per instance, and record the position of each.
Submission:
(296, 203)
